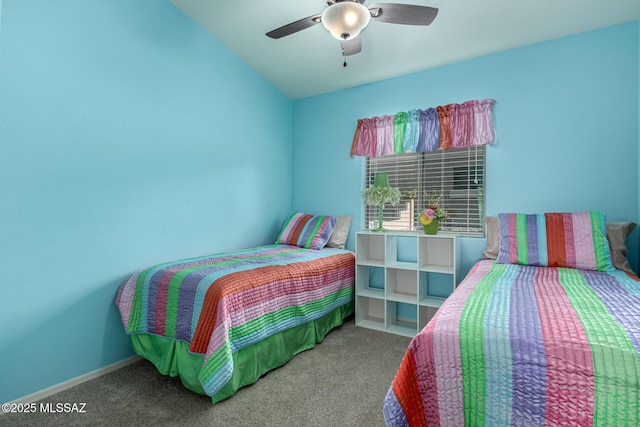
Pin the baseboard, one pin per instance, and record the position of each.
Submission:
(42, 394)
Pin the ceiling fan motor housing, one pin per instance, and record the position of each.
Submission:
(345, 19)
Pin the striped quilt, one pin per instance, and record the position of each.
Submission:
(522, 345)
(222, 303)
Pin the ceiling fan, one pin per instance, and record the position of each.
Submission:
(346, 18)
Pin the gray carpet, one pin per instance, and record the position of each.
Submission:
(341, 382)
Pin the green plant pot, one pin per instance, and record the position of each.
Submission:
(432, 227)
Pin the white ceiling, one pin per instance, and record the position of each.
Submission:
(310, 62)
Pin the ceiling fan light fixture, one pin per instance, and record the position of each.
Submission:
(345, 19)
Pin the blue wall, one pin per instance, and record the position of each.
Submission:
(566, 118)
(128, 136)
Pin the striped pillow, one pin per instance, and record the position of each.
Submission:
(574, 240)
(307, 231)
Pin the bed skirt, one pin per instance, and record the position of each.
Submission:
(174, 359)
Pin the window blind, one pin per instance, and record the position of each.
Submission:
(457, 173)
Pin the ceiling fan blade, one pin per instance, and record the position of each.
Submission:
(351, 46)
(408, 14)
(294, 27)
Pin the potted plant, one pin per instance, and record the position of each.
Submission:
(433, 213)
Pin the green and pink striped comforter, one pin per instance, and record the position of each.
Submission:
(222, 303)
(525, 346)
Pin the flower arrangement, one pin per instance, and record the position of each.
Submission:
(433, 209)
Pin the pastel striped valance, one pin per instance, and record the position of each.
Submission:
(450, 126)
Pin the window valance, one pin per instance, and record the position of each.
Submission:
(443, 127)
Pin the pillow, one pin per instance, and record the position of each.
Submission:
(493, 237)
(340, 233)
(574, 240)
(307, 231)
(617, 233)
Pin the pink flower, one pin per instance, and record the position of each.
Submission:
(430, 213)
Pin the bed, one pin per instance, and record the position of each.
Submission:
(221, 321)
(547, 333)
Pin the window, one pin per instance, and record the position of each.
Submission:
(457, 173)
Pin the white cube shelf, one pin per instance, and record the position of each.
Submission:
(412, 269)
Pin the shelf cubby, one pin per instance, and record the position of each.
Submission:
(372, 250)
(401, 318)
(370, 313)
(401, 285)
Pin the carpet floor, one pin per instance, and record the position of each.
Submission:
(340, 382)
